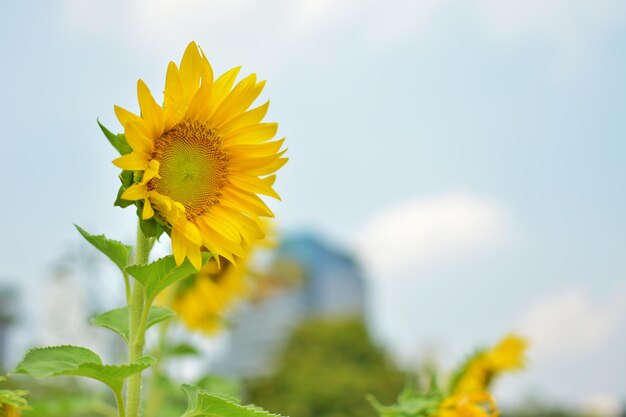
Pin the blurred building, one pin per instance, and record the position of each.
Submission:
(306, 278)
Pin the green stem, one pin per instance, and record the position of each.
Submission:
(155, 397)
(127, 287)
(120, 403)
(138, 313)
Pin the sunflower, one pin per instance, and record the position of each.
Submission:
(202, 301)
(478, 373)
(479, 404)
(201, 159)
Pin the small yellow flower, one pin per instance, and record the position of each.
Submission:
(202, 158)
(477, 404)
(201, 304)
(506, 356)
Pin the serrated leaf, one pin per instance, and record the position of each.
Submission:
(116, 251)
(201, 403)
(158, 275)
(78, 361)
(118, 141)
(118, 321)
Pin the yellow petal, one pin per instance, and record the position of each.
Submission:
(238, 100)
(245, 202)
(254, 184)
(161, 200)
(151, 112)
(194, 255)
(221, 87)
(255, 150)
(251, 117)
(173, 86)
(124, 116)
(135, 135)
(151, 172)
(135, 192)
(179, 246)
(249, 228)
(258, 166)
(147, 212)
(252, 134)
(134, 161)
(224, 246)
(191, 68)
(222, 226)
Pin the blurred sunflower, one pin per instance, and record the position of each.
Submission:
(202, 301)
(478, 373)
(12, 402)
(479, 404)
(202, 158)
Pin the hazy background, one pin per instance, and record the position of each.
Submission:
(472, 153)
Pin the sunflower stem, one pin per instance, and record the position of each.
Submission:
(138, 312)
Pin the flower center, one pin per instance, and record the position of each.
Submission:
(193, 166)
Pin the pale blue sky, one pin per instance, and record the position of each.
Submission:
(509, 116)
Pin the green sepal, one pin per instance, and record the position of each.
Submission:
(118, 321)
(201, 403)
(158, 275)
(78, 361)
(116, 251)
(150, 227)
(119, 141)
(126, 178)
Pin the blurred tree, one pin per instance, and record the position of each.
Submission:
(325, 370)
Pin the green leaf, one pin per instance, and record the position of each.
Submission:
(158, 275)
(180, 349)
(116, 251)
(201, 403)
(78, 361)
(118, 321)
(118, 141)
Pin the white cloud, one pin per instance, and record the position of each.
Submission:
(570, 323)
(430, 230)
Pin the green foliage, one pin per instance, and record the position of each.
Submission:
(165, 399)
(78, 361)
(116, 251)
(326, 370)
(119, 142)
(158, 275)
(14, 398)
(118, 319)
(410, 404)
(201, 403)
(76, 404)
(180, 349)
